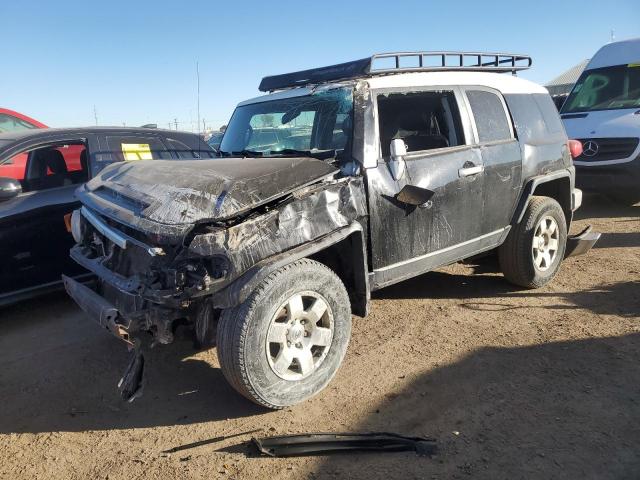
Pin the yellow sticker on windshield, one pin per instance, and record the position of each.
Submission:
(136, 151)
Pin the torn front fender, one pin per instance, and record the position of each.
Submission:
(311, 214)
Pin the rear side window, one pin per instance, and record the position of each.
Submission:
(491, 119)
(535, 118)
(549, 113)
(184, 151)
(137, 148)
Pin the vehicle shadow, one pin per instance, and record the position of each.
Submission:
(619, 240)
(556, 410)
(618, 298)
(599, 206)
(59, 372)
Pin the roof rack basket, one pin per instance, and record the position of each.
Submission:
(399, 62)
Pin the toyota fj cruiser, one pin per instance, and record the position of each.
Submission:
(342, 180)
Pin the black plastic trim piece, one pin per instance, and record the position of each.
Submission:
(320, 443)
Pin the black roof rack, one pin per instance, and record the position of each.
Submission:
(387, 63)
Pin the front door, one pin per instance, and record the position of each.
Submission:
(33, 230)
(441, 159)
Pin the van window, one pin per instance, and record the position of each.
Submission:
(608, 88)
(491, 120)
(424, 120)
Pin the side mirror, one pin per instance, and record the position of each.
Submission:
(9, 188)
(398, 150)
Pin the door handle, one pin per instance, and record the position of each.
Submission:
(468, 171)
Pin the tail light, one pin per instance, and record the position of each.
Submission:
(575, 147)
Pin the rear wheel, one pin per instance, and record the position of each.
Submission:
(531, 255)
(287, 340)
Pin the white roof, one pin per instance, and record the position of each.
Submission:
(503, 82)
(617, 53)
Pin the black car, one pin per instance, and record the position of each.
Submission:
(39, 172)
(341, 181)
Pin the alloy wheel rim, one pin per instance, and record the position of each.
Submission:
(299, 336)
(546, 242)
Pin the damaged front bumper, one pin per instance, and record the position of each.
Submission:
(98, 309)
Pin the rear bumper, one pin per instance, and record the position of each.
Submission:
(98, 309)
(581, 243)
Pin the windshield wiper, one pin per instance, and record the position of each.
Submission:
(320, 154)
(244, 153)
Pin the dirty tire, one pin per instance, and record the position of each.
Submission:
(205, 323)
(242, 335)
(515, 254)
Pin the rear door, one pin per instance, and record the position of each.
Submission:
(501, 156)
(442, 159)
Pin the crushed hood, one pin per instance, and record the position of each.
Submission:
(179, 192)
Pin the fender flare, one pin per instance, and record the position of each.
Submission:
(533, 183)
(240, 289)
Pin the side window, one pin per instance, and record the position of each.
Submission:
(127, 149)
(183, 151)
(55, 165)
(491, 120)
(424, 120)
(550, 113)
(9, 123)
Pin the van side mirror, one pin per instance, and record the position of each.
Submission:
(398, 150)
(9, 188)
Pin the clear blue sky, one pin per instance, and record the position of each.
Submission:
(135, 60)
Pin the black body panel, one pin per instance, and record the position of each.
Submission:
(33, 230)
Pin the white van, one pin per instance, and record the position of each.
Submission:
(603, 112)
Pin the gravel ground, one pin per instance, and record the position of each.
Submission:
(511, 383)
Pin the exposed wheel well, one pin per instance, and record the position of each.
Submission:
(559, 189)
(347, 258)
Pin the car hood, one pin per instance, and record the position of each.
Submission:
(180, 192)
(603, 123)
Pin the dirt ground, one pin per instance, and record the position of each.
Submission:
(511, 383)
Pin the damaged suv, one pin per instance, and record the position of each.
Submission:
(340, 181)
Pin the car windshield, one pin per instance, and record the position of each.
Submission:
(9, 123)
(608, 88)
(315, 125)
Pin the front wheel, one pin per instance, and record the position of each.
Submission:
(287, 340)
(531, 255)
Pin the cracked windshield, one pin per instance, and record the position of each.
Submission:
(316, 125)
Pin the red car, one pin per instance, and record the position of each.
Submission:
(11, 121)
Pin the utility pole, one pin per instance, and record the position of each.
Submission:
(204, 125)
(612, 38)
(175, 120)
(95, 114)
(198, 95)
